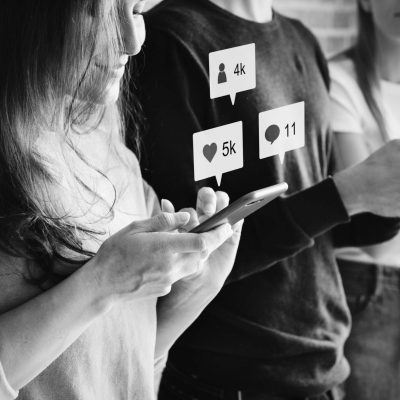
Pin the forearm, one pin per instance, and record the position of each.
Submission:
(286, 227)
(34, 334)
(176, 312)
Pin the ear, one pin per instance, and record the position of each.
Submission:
(365, 5)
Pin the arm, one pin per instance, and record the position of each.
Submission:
(188, 298)
(142, 260)
(350, 149)
(35, 333)
(177, 310)
(348, 115)
(365, 229)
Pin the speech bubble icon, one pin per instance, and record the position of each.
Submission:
(272, 133)
(232, 71)
(281, 130)
(217, 151)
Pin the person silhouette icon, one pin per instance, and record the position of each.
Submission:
(222, 75)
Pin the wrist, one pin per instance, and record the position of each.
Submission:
(203, 286)
(350, 188)
(89, 284)
(193, 293)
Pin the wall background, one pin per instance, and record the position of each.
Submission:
(332, 21)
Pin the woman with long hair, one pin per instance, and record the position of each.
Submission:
(365, 95)
(86, 252)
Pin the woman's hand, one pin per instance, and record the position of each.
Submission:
(214, 269)
(193, 293)
(147, 257)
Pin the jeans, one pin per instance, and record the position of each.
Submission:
(176, 385)
(373, 348)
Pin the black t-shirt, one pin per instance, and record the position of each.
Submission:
(281, 320)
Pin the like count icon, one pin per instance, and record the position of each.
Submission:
(217, 151)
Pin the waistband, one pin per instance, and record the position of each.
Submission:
(192, 387)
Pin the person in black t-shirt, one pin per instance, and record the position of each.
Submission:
(278, 327)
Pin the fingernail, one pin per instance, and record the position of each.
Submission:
(163, 204)
(183, 216)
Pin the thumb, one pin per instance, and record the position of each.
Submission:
(164, 222)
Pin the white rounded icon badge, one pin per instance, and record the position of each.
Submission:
(232, 71)
(281, 130)
(218, 150)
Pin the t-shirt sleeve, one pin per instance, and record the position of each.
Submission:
(345, 101)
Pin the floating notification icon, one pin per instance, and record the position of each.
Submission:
(217, 151)
(232, 71)
(281, 130)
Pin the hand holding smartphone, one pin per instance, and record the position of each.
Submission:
(242, 207)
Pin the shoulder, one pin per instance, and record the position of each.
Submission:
(342, 70)
(344, 85)
(297, 32)
(349, 111)
(182, 18)
(191, 28)
(300, 38)
(177, 43)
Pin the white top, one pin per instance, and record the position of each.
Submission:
(350, 114)
(114, 358)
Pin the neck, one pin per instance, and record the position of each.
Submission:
(388, 57)
(253, 10)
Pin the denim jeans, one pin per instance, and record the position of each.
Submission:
(373, 348)
(176, 385)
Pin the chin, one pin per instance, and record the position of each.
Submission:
(111, 94)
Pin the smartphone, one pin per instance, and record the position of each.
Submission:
(242, 207)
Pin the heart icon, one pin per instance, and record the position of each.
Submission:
(209, 151)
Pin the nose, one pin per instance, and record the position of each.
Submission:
(133, 34)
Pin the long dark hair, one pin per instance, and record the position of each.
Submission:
(364, 55)
(48, 50)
